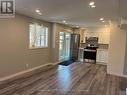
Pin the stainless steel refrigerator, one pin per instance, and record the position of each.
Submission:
(74, 48)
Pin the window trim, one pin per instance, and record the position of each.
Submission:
(34, 48)
(41, 47)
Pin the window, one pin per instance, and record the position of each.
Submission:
(38, 36)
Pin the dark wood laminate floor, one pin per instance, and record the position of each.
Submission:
(76, 79)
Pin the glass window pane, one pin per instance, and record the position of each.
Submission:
(38, 36)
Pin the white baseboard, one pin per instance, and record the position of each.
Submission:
(56, 63)
(24, 72)
(115, 74)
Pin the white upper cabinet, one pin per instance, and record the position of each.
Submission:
(102, 33)
(104, 37)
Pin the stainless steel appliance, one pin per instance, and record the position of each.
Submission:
(92, 41)
(75, 42)
(90, 51)
(90, 54)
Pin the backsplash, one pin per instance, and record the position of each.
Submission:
(92, 41)
(101, 46)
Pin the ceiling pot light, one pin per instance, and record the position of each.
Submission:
(101, 19)
(93, 6)
(64, 21)
(91, 3)
(40, 13)
(37, 11)
(77, 26)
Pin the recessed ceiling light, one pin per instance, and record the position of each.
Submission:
(91, 3)
(38, 11)
(93, 6)
(64, 21)
(101, 18)
(77, 26)
(103, 21)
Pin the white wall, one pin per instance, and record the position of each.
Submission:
(14, 52)
(14, 43)
(116, 51)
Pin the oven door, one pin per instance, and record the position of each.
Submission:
(90, 54)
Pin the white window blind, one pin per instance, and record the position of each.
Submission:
(38, 36)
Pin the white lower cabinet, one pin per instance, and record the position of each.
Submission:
(102, 56)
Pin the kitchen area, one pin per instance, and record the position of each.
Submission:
(94, 44)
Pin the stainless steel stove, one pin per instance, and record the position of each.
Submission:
(90, 51)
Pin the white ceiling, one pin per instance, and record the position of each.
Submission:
(75, 12)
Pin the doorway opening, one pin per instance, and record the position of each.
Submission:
(64, 46)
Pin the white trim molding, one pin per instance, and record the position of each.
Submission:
(119, 75)
(13, 76)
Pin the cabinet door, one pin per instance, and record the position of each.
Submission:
(106, 56)
(102, 56)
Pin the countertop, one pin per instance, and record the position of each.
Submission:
(101, 46)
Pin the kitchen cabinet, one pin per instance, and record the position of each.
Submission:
(102, 56)
(81, 54)
(102, 33)
(104, 37)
